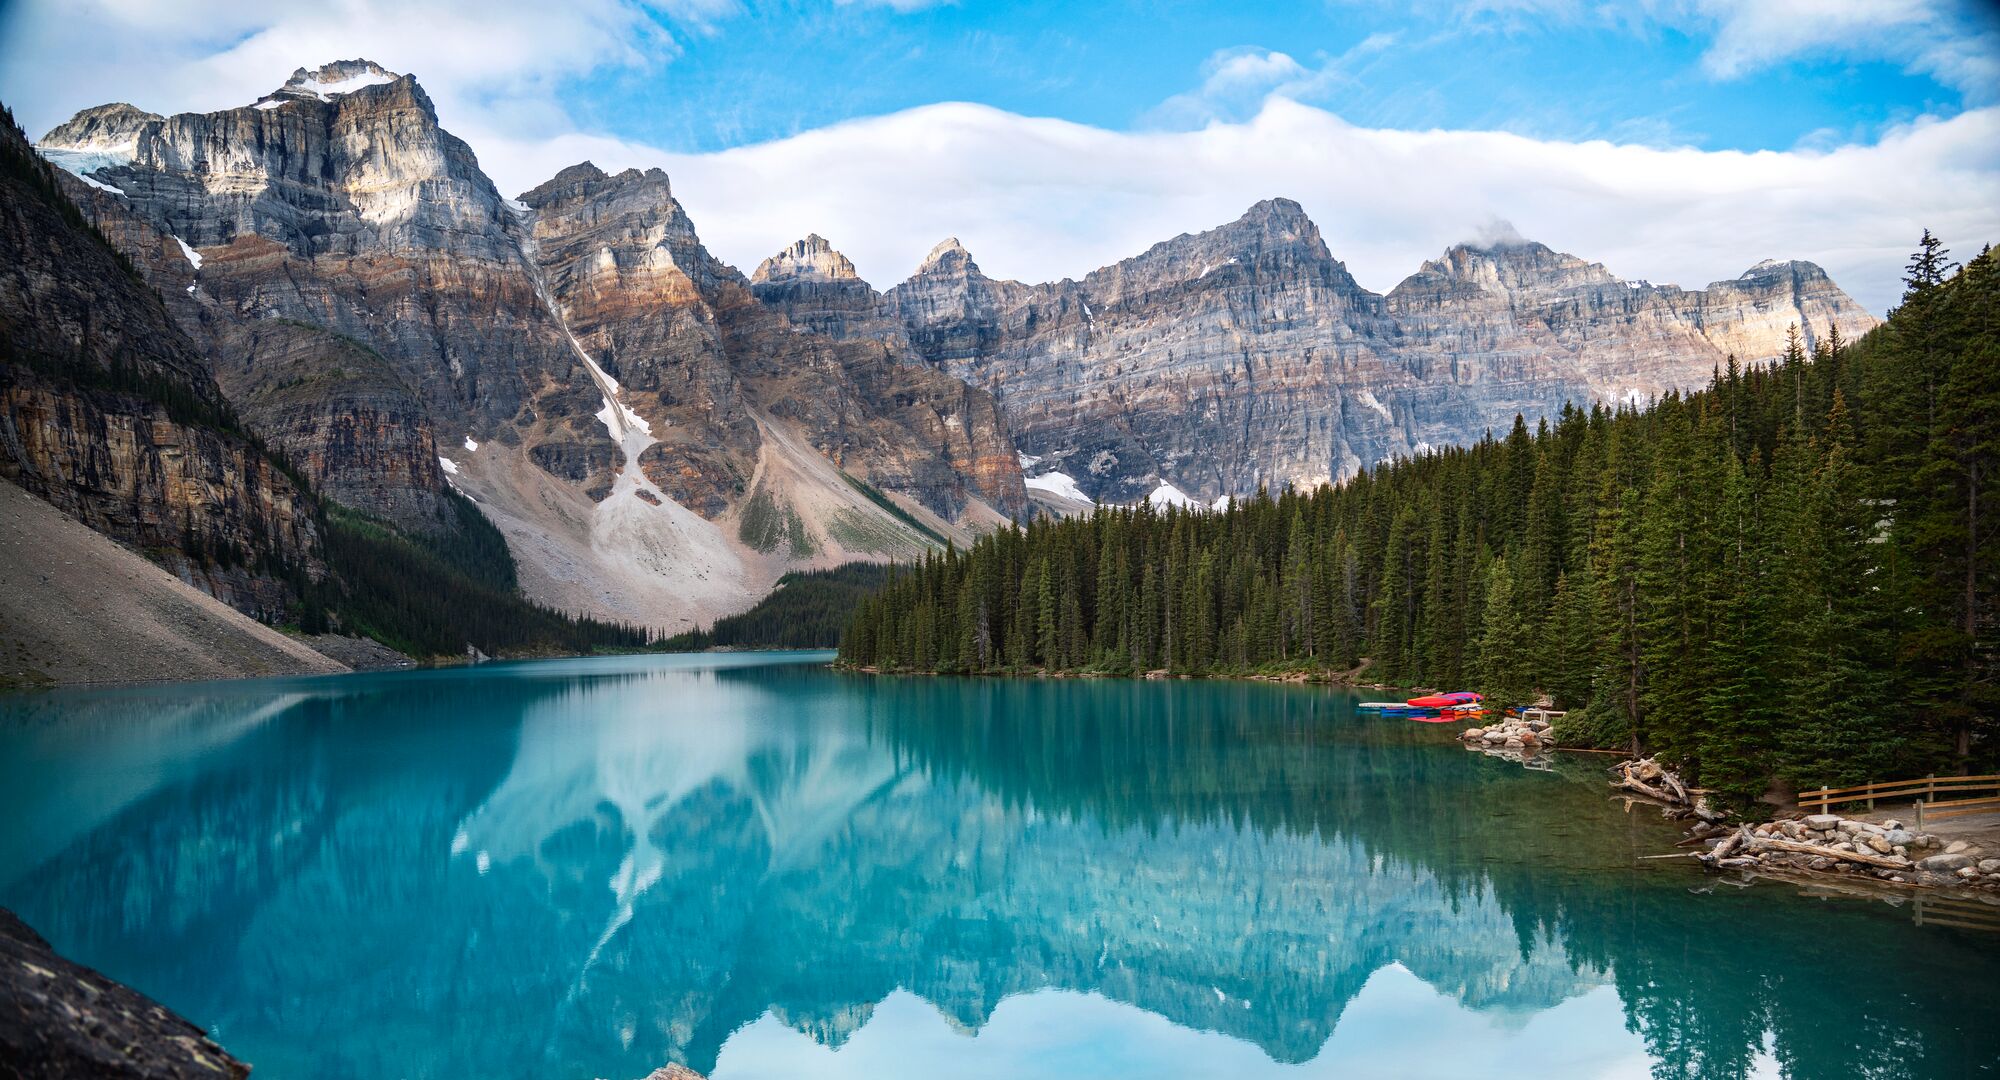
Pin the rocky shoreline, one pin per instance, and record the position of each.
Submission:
(1883, 853)
(1828, 843)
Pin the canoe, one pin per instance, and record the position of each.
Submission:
(1440, 701)
(1381, 705)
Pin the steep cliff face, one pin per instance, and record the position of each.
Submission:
(1210, 364)
(575, 361)
(1530, 328)
(717, 363)
(816, 288)
(108, 411)
(1248, 355)
(337, 203)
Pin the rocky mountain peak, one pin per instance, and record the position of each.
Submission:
(810, 259)
(949, 257)
(330, 81)
(103, 126)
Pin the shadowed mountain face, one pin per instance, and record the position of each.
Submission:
(110, 412)
(624, 862)
(382, 314)
(1247, 355)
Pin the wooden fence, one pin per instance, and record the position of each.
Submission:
(1924, 791)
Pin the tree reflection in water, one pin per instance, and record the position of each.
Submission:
(595, 867)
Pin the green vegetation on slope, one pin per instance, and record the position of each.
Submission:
(1790, 575)
(808, 610)
(435, 595)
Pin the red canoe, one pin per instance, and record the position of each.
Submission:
(1440, 701)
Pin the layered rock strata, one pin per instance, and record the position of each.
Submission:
(109, 412)
(1248, 355)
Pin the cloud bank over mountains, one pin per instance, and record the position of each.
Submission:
(1038, 198)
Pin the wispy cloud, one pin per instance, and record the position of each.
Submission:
(1237, 81)
(1956, 42)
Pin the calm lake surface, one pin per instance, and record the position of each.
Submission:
(760, 868)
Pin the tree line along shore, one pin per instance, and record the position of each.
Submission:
(1787, 578)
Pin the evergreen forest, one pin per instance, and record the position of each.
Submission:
(1788, 576)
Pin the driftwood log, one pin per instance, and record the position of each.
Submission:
(1866, 858)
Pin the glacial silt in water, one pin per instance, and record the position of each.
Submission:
(761, 868)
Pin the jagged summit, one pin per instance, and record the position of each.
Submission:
(1280, 210)
(949, 256)
(810, 259)
(101, 125)
(585, 175)
(328, 82)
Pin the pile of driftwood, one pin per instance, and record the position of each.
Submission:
(1654, 782)
(1826, 842)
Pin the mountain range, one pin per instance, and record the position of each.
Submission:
(659, 437)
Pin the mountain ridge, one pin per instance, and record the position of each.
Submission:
(1208, 365)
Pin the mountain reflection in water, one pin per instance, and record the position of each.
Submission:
(590, 868)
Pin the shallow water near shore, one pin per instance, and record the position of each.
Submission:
(758, 867)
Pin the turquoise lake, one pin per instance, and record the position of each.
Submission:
(758, 867)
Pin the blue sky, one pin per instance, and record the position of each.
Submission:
(779, 69)
(1672, 140)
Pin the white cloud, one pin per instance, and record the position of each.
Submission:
(1041, 199)
(1237, 81)
(497, 61)
(1953, 41)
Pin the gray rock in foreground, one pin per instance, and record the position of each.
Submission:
(61, 1020)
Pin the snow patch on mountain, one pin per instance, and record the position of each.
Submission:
(1057, 483)
(1168, 495)
(1368, 398)
(99, 184)
(193, 256)
(90, 157)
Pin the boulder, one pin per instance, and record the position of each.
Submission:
(1941, 863)
(1900, 836)
(1878, 845)
(1989, 866)
(1957, 847)
(1823, 822)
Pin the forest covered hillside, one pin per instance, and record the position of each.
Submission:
(1788, 576)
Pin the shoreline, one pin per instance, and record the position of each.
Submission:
(1964, 868)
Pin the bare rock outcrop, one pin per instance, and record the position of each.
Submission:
(1247, 355)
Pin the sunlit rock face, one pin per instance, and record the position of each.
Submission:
(816, 287)
(355, 277)
(1248, 355)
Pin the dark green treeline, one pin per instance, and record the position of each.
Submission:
(1790, 575)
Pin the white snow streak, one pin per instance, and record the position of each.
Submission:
(99, 184)
(193, 256)
(472, 444)
(1057, 483)
(1168, 495)
(449, 466)
(327, 91)
(1368, 398)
